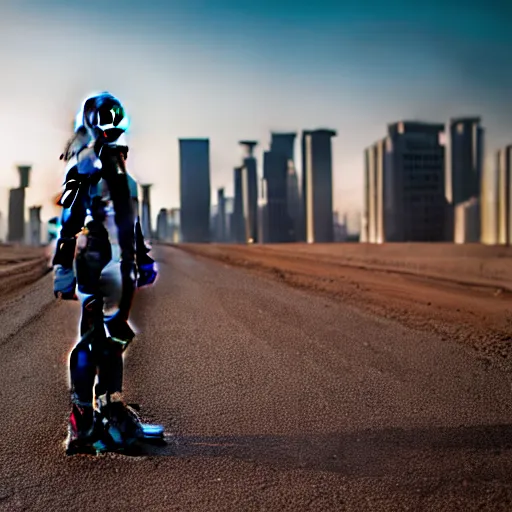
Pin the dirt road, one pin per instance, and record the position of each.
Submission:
(275, 398)
(421, 289)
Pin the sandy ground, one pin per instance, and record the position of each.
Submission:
(21, 266)
(462, 293)
(273, 399)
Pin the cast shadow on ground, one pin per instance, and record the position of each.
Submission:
(466, 451)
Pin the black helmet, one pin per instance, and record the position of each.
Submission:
(104, 112)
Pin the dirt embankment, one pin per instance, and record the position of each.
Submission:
(21, 266)
(460, 292)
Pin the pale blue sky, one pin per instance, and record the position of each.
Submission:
(230, 70)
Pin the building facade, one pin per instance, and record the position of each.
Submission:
(195, 192)
(464, 159)
(162, 225)
(250, 191)
(284, 144)
(174, 227)
(464, 166)
(220, 227)
(317, 178)
(276, 213)
(237, 217)
(405, 185)
(35, 226)
(467, 222)
(504, 195)
(16, 220)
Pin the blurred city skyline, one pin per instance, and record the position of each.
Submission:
(227, 71)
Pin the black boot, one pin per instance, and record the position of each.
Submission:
(122, 425)
(81, 430)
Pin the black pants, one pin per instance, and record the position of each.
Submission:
(96, 354)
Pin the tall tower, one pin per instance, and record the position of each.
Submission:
(464, 159)
(162, 225)
(221, 216)
(263, 224)
(195, 190)
(405, 185)
(237, 217)
(250, 191)
(504, 199)
(284, 144)
(275, 176)
(16, 221)
(365, 216)
(463, 166)
(174, 225)
(35, 226)
(317, 185)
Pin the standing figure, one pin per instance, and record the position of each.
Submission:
(110, 261)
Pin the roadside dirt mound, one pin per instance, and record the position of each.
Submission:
(21, 266)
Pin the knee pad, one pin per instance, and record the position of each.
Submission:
(81, 356)
(82, 369)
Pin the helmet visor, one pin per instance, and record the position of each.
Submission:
(110, 115)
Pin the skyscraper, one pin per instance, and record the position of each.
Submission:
(464, 159)
(365, 216)
(263, 224)
(275, 171)
(464, 165)
(250, 184)
(174, 226)
(237, 217)
(220, 233)
(213, 222)
(35, 226)
(317, 185)
(284, 143)
(229, 204)
(162, 225)
(467, 222)
(504, 189)
(404, 185)
(489, 203)
(374, 200)
(16, 220)
(195, 189)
